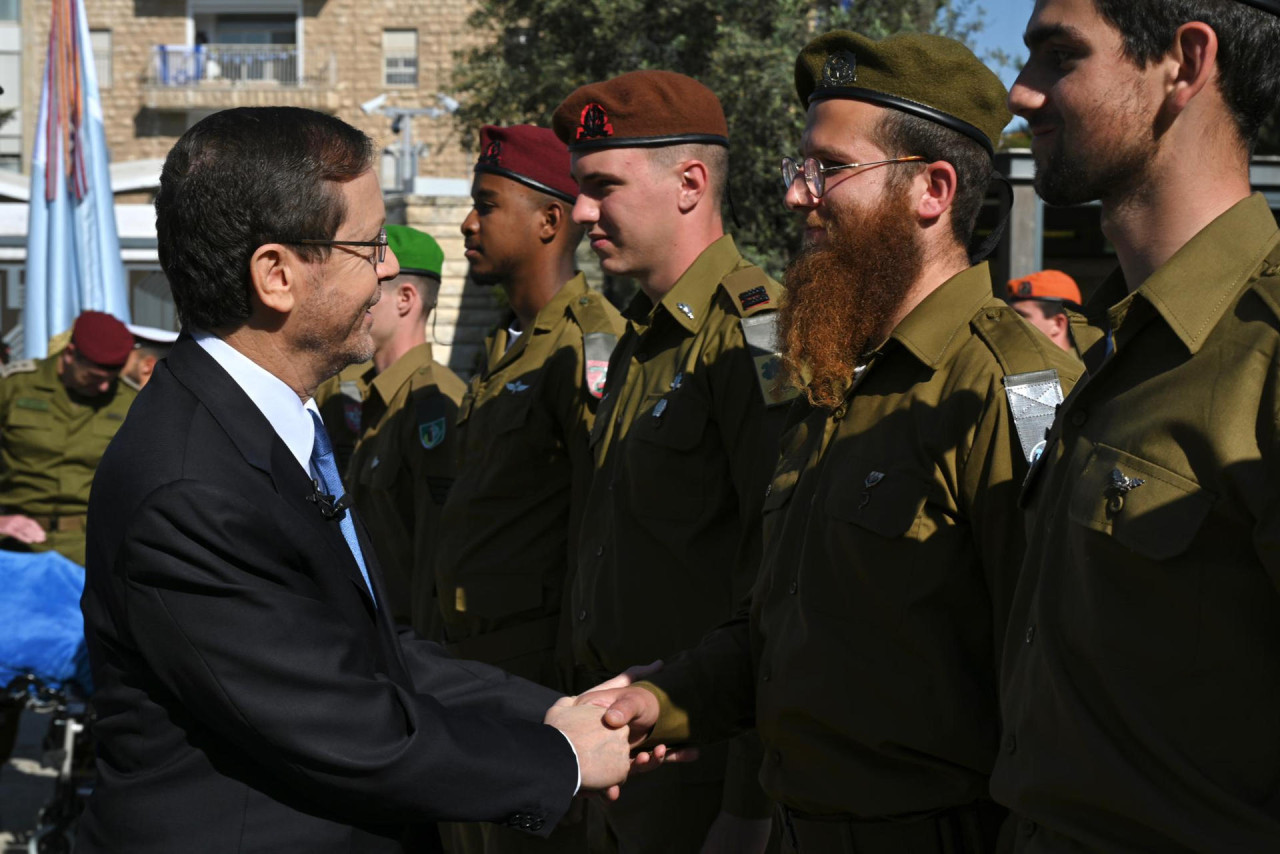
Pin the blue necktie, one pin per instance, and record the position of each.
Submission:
(326, 469)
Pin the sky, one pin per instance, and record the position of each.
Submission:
(1003, 25)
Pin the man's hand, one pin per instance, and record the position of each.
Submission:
(630, 708)
(604, 757)
(24, 529)
(730, 834)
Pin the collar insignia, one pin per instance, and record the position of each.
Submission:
(840, 70)
(594, 123)
(685, 310)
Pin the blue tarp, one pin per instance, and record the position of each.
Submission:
(41, 629)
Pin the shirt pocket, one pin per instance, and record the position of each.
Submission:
(1132, 603)
(872, 562)
(667, 463)
(495, 596)
(35, 436)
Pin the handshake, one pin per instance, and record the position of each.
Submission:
(607, 725)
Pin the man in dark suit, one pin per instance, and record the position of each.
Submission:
(252, 692)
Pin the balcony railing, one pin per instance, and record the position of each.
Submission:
(235, 65)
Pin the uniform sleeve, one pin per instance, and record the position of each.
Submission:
(249, 647)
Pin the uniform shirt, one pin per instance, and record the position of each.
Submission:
(50, 445)
(341, 399)
(401, 471)
(892, 543)
(512, 516)
(1141, 682)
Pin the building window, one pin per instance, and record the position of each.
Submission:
(100, 41)
(400, 57)
(10, 10)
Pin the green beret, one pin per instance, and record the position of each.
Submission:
(933, 77)
(417, 252)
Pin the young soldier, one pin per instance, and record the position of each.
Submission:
(1141, 679)
(512, 517)
(687, 431)
(892, 538)
(1043, 300)
(402, 466)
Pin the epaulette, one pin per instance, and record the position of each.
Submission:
(752, 291)
(23, 366)
(598, 339)
(1031, 384)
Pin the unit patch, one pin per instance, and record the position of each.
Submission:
(351, 415)
(432, 433)
(597, 348)
(760, 332)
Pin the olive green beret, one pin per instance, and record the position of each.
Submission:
(417, 253)
(933, 77)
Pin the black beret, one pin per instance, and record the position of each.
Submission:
(934, 77)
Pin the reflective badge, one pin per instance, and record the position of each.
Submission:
(677, 381)
(684, 308)
(1033, 400)
(594, 123)
(431, 433)
(517, 387)
(841, 69)
(660, 409)
(351, 414)
(1118, 486)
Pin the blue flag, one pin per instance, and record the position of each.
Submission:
(73, 249)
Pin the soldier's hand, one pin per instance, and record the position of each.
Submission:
(22, 528)
(604, 756)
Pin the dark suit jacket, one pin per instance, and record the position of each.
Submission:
(250, 697)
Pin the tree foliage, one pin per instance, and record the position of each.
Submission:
(537, 51)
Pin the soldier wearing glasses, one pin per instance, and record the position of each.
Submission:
(892, 537)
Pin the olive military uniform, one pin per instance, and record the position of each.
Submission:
(892, 544)
(52, 442)
(512, 517)
(340, 400)
(400, 474)
(684, 443)
(1141, 684)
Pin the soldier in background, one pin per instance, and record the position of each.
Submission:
(57, 416)
(513, 515)
(686, 436)
(341, 399)
(1043, 299)
(402, 465)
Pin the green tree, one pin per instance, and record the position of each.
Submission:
(537, 51)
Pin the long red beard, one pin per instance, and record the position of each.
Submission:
(843, 294)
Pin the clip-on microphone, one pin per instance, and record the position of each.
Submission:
(329, 508)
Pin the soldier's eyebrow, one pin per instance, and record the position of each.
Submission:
(1037, 35)
(598, 178)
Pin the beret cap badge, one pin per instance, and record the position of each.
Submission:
(594, 123)
(492, 154)
(840, 69)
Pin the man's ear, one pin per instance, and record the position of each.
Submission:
(275, 272)
(694, 181)
(407, 300)
(551, 221)
(1192, 62)
(936, 190)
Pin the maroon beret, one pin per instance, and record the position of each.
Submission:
(641, 109)
(531, 155)
(102, 339)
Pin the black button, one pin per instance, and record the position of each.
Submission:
(765, 677)
(1010, 744)
(792, 588)
(1027, 828)
(582, 615)
(599, 551)
(1031, 633)
(1079, 417)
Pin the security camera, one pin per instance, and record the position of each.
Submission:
(450, 104)
(373, 105)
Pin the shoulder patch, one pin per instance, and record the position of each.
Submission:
(432, 411)
(1033, 400)
(761, 335)
(752, 291)
(597, 347)
(23, 366)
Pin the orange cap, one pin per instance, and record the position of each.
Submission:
(1046, 285)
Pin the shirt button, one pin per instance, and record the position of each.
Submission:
(792, 588)
(1031, 633)
(765, 677)
(1027, 828)
(1010, 744)
(582, 616)
(1079, 417)
(768, 490)
(599, 551)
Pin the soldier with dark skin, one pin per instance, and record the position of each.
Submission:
(866, 658)
(1141, 672)
(513, 514)
(686, 434)
(402, 465)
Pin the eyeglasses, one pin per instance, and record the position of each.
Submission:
(814, 171)
(380, 244)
